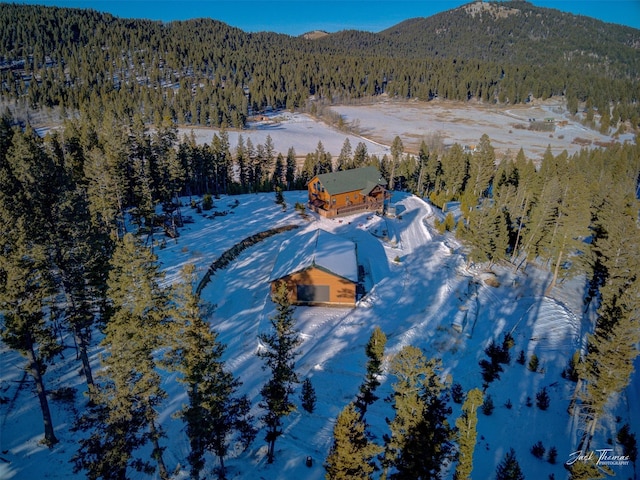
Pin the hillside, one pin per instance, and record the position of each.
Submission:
(521, 33)
(204, 72)
(416, 301)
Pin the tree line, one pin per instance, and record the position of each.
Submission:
(203, 72)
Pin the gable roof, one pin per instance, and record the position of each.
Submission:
(317, 248)
(363, 179)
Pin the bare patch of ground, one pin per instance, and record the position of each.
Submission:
(465, 123)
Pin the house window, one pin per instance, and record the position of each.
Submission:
(333, 200)
(312, 293)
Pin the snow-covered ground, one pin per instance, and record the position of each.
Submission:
(287, 130)
(414, 121)
(418, 286)
(465, 123)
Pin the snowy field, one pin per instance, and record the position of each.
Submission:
(465, 123)
(453, 122)
(416, 301)
(287, 130)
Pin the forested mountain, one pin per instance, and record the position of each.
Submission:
(205, 72)
(521, 33)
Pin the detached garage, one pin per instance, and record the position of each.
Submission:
(319, 268)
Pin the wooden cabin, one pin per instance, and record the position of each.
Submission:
(348, 191)
(319, 268)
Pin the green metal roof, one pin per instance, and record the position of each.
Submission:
(365, 178)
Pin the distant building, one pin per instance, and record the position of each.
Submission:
(319, 268)
(347, 192)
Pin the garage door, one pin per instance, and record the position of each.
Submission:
(313, 293)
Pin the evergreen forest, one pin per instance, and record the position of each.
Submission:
(204, 72)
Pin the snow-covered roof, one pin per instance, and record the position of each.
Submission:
(317, 248)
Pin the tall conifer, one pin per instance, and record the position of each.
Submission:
(27, 190)
(352, 454)
(129, 393)
(279, 355)
(375, 354)
(419, 442)
(466, 434)
(509, 468)
(216, 415)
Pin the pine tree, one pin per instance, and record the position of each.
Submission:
(588, 470)
(107, 177)
(290, 168)
(509, 468)
(482, 167)
(466, 434)
(344, 159)
(420, 439)
(80, 257)
(143, 167)
(552, 455)
(533, 363)
(397, 150)
(487, 232)
(455, 171)
(360, 155)
(279, 355)
(128, 395)
(308, 396)
(352, 453)
(628, 442)
(278, 172)
(242, 164)
(543, 399)
(611, 350)
(216, 414)
(488, 405)
(27, 190)
(375, 354)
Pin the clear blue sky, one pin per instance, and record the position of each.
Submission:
(295, 17)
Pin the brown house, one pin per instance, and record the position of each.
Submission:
(319, 268)
(347, 192)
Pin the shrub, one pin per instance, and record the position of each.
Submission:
(63, 394)
(628, 442)
(279, 196)
(207, 201)
(490, 370)
(570, 372)
(528, 402)
(457, 394)
(552, 455)
(508, 342)
(538, 450)
(521, 358)
(449, 222)
(487, 405)
(508, 404)
(499, 354)
(533, 363)
(542, 399)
